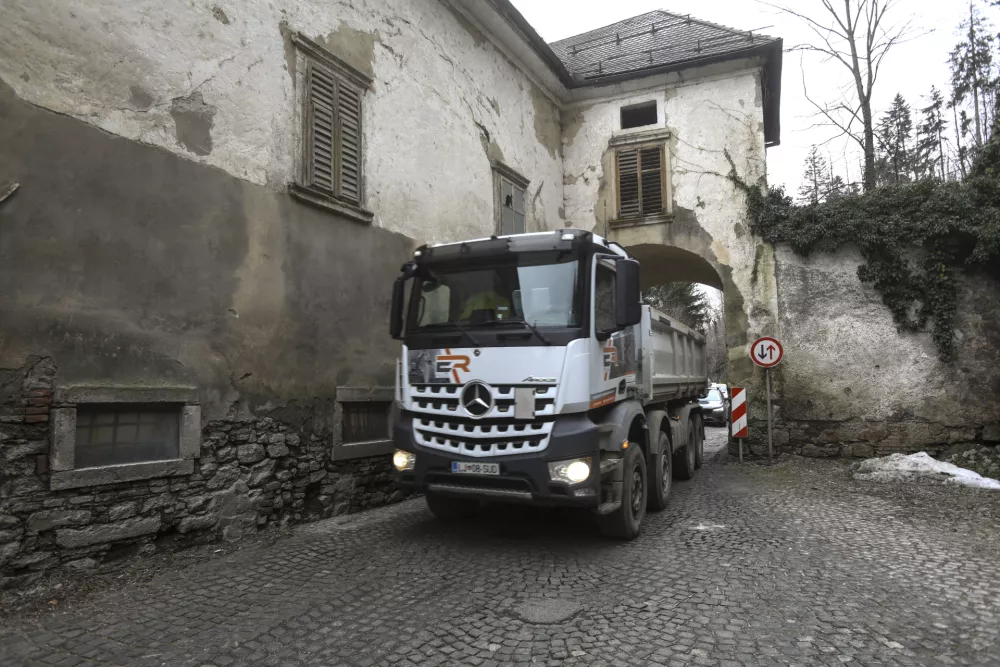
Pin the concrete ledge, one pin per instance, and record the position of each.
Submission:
(128, 472)
(360, 394)
(125, 394)
(362, 450)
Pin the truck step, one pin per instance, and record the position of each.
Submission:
(608, 508)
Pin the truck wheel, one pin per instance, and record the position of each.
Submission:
(626, 521)
(450, 509)
(684, 462)
(699, 435)
(661, 477)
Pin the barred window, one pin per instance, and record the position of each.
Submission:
(366, 421)
(510, 190)
(117, 434)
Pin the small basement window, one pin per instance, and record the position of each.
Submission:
(366, 421)
(639, 115)
(113, 435)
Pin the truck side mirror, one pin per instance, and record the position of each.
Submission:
(396, 312)
(628, 304)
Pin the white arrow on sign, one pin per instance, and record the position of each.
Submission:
(766, 352)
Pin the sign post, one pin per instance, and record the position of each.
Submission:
(767, 353)
(738, 415)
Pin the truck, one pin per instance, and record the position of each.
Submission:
(531, 372)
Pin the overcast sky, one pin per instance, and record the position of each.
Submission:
(910, 68)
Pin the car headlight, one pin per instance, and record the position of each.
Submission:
(573, 471)
(403, 460)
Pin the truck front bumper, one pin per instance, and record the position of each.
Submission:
(522, 479)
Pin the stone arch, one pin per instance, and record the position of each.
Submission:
(684, 252)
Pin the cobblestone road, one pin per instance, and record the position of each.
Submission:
(795, 564)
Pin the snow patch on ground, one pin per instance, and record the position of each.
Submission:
(908, 468)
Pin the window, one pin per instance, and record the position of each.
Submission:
(641, 182)
(363, 422)
(120, 434)
(125, 434)
(509, 190)
(604, 298)
(366, 421)
(639, 115)
(332, 132)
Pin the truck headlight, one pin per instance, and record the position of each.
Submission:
(573, 471)
(403, 460)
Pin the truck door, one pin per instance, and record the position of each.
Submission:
(613, 360)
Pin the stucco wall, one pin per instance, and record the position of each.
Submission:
(706, 240)
(851, 383)
(214, 82)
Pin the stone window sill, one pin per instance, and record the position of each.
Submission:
(127, 472)
(321, 200)
(362, 450)
(639, 222)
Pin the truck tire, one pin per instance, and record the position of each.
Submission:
(699, 435)
(661, 476)
(450, 509)
(684, 462)
(626, 521)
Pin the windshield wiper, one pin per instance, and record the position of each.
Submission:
(458, 326)
(521, 320)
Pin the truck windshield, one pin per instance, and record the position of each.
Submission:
(538, 288)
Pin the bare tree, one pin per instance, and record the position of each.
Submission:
(857, 34)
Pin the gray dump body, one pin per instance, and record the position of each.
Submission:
(673, 363)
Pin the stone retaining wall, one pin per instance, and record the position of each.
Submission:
(251, 473)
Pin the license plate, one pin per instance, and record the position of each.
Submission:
(465, 468)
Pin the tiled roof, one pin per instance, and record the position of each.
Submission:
(656, 39)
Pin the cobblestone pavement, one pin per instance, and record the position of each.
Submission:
(750, 565)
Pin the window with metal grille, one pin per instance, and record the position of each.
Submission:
(509, 188)
(641, 182)
(117, 434)
(365, 421)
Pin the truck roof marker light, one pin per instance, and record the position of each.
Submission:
(567, 237)
(418, 253)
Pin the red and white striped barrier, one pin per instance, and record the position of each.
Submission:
(739, 412)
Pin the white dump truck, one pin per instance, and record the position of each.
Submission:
(532, 373)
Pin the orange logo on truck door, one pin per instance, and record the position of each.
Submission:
(448, 363)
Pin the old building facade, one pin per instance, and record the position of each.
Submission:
(204, 207)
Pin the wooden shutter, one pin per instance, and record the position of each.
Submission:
(349, 131)
(651, 182)
(640, 182)
(322, 91)
(628, 185)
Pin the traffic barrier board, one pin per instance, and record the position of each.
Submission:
(738, 419)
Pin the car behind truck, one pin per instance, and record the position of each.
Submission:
(531, 373)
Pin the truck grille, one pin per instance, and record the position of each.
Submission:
(441, 423)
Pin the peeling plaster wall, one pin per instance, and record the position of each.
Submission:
(215, 83)
(706, 112)
(852, 384)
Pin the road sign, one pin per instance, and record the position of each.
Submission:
(739, 412)
(766, 352)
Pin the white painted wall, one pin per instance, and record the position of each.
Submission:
(119, 64)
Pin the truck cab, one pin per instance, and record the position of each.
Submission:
(531, 373)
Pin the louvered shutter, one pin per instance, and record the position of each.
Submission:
(650, 164)
(349, 130)
(628, 185)
(322, 89)
(640, 182)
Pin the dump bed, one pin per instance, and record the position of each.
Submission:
(673, 363)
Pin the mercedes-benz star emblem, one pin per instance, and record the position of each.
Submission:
(477, 399)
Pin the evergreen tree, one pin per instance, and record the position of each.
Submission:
(814, 179)
(930, 136)
(682, 301)
(894, 132)
(972, 79)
